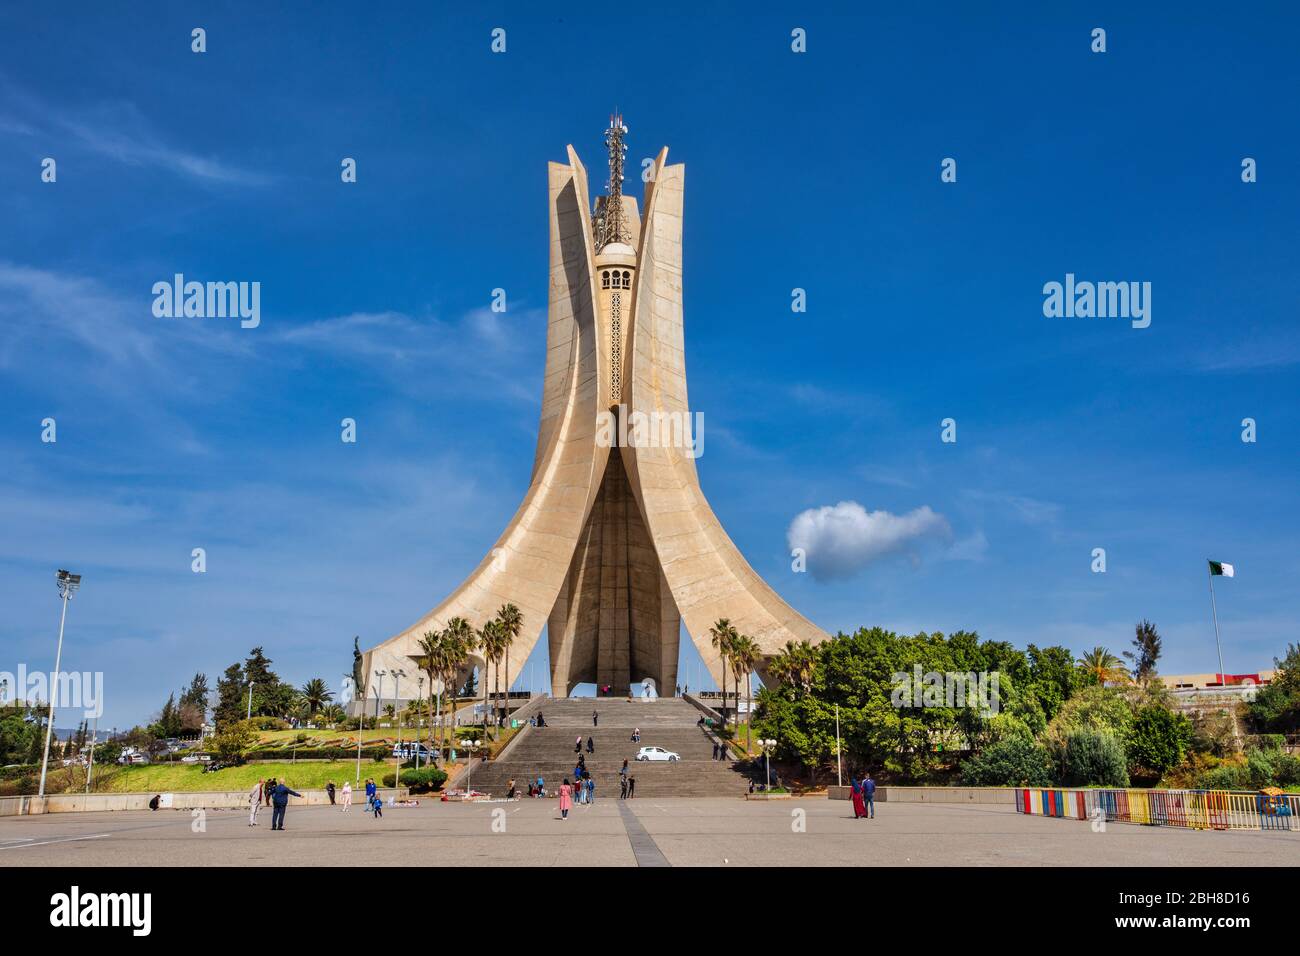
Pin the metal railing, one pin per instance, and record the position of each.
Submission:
(1192, 809)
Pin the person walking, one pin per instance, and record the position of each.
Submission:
(329, 790)
(869, 796)
(591, 790)
(566, 799)
(577, 745)
(254, 802)
(595, 718)
(347, 795)
(269, 789)
(715, 750)
(377, 806)
(591, 745)
(622, 787)
(631, 787)
(280, 803)
(859, 809)
(371, 790)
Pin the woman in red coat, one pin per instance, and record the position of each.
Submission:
(859, 805)
(566, 799)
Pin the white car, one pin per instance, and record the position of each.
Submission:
(656, 753)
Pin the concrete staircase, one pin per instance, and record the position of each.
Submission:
(665, 722)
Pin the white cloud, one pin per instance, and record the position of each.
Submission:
(842, 539)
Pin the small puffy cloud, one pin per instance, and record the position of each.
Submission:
(842, 539)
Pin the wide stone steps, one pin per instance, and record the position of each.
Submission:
(668, 723)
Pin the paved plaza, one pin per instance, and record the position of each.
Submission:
(673, 832)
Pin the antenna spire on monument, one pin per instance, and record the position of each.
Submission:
(612, 228)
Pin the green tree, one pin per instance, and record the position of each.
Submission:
(231, 690)
(1093, 758)
(461, 641)
(721, 636)
(317, 694)
(1276, 707)
(196, 694)
(1158, 739)
(1012, 762)
(1146, 652)
(1053, 676)
(1099, 665)
(233, 744)
(745, 656)
(511, 620)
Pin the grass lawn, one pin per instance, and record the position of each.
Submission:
(162, 778)
(348, 738)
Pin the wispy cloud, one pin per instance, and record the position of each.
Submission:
(119, 131)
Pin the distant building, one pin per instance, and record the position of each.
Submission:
(1217, 688)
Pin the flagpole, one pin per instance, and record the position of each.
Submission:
(1223, 678)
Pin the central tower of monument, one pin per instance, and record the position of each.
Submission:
(614, 544)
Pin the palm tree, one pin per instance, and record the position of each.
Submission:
(794, 666)
(720, 637)
(745, 655)
(317, 694)
(1102, 664)
(492, 641)
(430, 650)
(512, 622)
(459, 641)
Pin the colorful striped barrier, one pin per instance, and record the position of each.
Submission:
(1190, 809)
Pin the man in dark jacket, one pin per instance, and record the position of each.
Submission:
(279, 802)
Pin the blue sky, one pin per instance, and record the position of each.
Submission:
(818, 170)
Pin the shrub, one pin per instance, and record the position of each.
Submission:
(1093, 758)
(1011, 762)
(1158, 739)
(319, 753)
(419, 781)
(1225, 777)
(234, 743)
(267, 723)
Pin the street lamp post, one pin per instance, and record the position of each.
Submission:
(90, 769)
(249, 716)
(420, 679)
(469, 761)
(767, 746)
(68, 583)
(398, 674)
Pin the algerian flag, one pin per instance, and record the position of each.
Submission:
(1218, 567)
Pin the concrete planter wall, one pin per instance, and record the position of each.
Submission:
(205, 799)
(980, 795)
